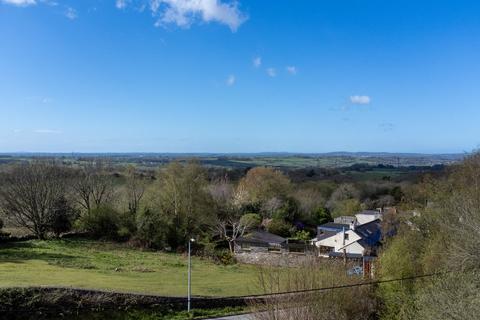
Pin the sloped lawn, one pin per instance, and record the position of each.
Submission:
(111, 266)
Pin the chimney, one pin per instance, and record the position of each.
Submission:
(353, 223)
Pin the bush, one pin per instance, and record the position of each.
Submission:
(321, 216)
(207, 247)
(279, 227)
(61, 220)
(127, 225)
(346, 208)
(225, 257)
(101, 223)
(150, 229)
(303, 235)
(252, 220)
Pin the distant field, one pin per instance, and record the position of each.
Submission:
(280, 160)
(109, 266)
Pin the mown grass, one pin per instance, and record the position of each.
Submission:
(111, 266)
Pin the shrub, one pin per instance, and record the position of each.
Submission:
(151, 229)
(251, 220)
(127, 225)
(279, 227)
(321, 216)
(207, 247)
(225, 257)
(302, 235)
(101, 223)
(61, 220)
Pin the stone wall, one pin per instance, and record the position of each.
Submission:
(47, 302)
(283, 259)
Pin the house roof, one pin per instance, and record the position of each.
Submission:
(332, 226)
(370, 212)
(261, 236)
(371, 232)
(325, 235)
(344, 219)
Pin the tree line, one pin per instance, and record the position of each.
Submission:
(162, 209)
(439, 236)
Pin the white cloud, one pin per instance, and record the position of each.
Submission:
(184, 13)
(231, 80)
(47, 131)
(272, 72)
(50, 3)
(292, 70)
(360, 99)
(71, 13)
(257, 62)
(121, 4)
(20, 3)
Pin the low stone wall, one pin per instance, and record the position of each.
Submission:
(45, 301)
(281, 259)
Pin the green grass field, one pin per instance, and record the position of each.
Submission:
(115, 267)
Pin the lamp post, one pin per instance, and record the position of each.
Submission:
(189, 273)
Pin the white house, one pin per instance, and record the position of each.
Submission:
(356, 241)
(367, 216)
(336, 242)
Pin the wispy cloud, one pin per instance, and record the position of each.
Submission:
(272, 72)
(257, 62)
(292, 70)
(50, 3)
(71, 13)
(39, 99)
(184, 13)
(231, 80)
(121, 4)
(360, 99)
(47, 131)
(20, 3)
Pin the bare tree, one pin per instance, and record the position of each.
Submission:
(135, 189)
(93, 187)
(230, 223)
(234, 226)
(336, 304)
(31, 195)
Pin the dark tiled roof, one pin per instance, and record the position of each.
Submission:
(325, 235)
(332, 226)
(260, 236)
(370, 232)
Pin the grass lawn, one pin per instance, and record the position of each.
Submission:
(110, 266)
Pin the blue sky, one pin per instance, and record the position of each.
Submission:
(245, 76)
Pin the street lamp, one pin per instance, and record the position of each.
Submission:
(189, 273)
